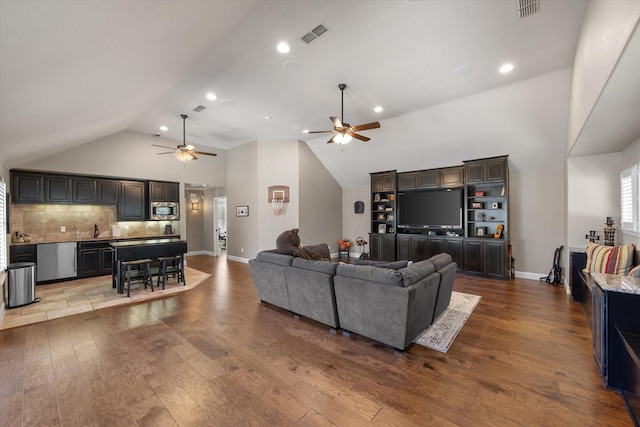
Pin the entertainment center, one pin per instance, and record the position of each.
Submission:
(460, 210)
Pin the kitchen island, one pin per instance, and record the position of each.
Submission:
(137, 249)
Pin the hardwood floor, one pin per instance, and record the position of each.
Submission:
(217, 356)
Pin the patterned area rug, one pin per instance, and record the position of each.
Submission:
(441, 334)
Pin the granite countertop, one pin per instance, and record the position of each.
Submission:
(96, 239)
(617, 283)
(147, 241)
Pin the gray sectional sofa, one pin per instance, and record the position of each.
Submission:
(388, 302)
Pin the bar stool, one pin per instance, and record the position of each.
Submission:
(171, 265)
(144, 273)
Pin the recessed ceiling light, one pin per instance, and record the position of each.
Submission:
(211, 96)
(291, 65)
(305, 131)
(164, 128)
(267, 117)
(461, 70)
(283, 47)
(378, 109)
(506, 68)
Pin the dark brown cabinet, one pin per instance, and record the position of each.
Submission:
(485, 257)
(57, 189)
(486, 170)
(23, 253)
(94, 259)
(164, 191)
(452, 177)
(132, 204)
(383, 247)
(83, 190)
(407, 181)
(27, 187)
(383, 181)
(422, 179)
(107, 191)
(412, 247)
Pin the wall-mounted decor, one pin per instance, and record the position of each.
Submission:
(242, 210)
(358, 207)
(278, 195)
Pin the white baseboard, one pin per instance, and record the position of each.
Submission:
(238, 259)
(200, 253)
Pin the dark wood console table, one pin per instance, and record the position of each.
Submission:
(137, 249)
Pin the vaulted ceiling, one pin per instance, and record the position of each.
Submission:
(73, 72)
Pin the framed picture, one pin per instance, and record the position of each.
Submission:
(481, 231)
(376, 197)
(477, 205)
(382, 228)
(390, 217)
(380, 217)
(242, 210)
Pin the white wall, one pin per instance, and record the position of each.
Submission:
(277, 165)
(593, 194)
(356, 225)
(606, 28)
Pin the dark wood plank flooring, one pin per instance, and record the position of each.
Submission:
(216, 356)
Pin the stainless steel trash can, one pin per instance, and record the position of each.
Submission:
(21, 284)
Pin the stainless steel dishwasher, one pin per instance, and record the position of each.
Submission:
(56, 261)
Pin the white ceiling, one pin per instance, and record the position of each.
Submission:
(72, 72)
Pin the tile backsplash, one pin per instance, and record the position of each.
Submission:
(43, 222)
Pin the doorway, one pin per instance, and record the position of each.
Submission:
(220, 224)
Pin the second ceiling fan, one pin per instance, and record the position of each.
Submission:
(344, 132)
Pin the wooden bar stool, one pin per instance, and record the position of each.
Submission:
(143, 273)
(173, 265)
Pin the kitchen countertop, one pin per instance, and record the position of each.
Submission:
(617, 283)
(97, 239)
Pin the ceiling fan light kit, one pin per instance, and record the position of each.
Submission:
(344, 132)
(184, 152)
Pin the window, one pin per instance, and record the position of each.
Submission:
(3, 227)
(629, 212)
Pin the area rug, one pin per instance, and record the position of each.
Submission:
(441, 334)
(93, 293)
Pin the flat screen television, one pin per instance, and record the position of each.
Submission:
(441, 208)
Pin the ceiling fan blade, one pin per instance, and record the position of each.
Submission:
(360, 137)
(336, 122)
(202, 152)
(321, 131)
(164, 146)
(192, 155)
(167, 152)
(372, 125)
(331, 140)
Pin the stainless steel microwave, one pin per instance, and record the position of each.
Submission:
(164, 211)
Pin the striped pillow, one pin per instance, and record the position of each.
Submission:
(609, 259)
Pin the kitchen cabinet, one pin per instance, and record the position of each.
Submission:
(27, 187)
(164, 191)
(107, 191)
(83, 190)
(132, 201)
(57, 189)
(23, 253)
(94, 259)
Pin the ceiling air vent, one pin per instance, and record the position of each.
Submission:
(527, 8)
(199, 108)
(314, 34)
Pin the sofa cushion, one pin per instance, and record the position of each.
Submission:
(440, 260)
(635, 271)
(416, 272)
(274, 258)
(385, 276)
(319, 266)
(394, 265)
(609, 259)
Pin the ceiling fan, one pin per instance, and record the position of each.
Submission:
(184, 152)
(344, 132)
